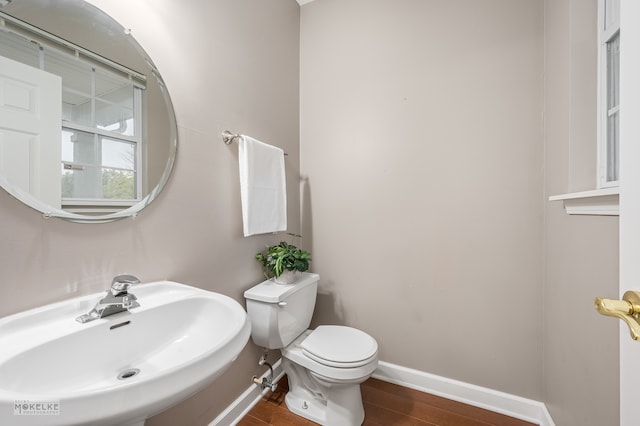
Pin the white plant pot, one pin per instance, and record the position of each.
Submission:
(287, 277)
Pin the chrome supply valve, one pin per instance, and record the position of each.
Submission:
(266, 382)
(118, 299)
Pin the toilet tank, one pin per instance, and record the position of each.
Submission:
(281, 312)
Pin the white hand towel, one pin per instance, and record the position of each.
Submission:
(263, 187)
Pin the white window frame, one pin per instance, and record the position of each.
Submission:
(608, 29)
(136, 140)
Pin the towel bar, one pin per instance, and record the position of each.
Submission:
(228, 137)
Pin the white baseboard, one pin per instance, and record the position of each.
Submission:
(245, 402)
(489, 399)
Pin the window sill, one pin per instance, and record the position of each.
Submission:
(600, 202)
(95, 206)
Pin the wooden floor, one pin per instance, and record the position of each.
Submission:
(385, 404)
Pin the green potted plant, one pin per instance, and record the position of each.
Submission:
(284, 261)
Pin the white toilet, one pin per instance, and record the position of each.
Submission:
(325, 366)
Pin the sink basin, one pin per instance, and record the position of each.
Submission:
(121, 369)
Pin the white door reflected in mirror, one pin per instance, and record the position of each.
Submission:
(29, 140)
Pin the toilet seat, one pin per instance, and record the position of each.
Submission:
(339, 346)
(341, 374)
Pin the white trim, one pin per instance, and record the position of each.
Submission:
(603, 202)
(303, 2)
(629, 232)
(499, 402)
(489, 399)
(245, 402)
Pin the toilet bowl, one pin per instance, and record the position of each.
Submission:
(325, 384)
(325, 366)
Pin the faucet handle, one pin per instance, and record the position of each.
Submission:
(122, 283)
(130, 301)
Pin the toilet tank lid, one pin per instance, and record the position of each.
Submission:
(271, 292)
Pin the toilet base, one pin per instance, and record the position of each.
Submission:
(306, 406)
(321, 401)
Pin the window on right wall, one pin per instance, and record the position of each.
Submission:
(608, 93)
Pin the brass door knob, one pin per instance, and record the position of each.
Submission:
(627, 309)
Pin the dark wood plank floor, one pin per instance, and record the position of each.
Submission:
(385, 404)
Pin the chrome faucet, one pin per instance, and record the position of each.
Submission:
(118, 299)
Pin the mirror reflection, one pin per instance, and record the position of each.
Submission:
(87, 127)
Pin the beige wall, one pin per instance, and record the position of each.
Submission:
(581, 253)
(423, 155)
(421, 142)
(228, 64)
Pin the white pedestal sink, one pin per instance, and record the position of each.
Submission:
(117, 370)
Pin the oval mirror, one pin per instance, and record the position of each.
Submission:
(87, 128)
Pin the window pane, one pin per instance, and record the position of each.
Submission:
(114, 105)
(80, 183)
(118, 154)
(611, 13)
(81, 179)
(613, 72)
(79, 147)
(613, 147)
(118, 184)
(76, 85)
(613, 112)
